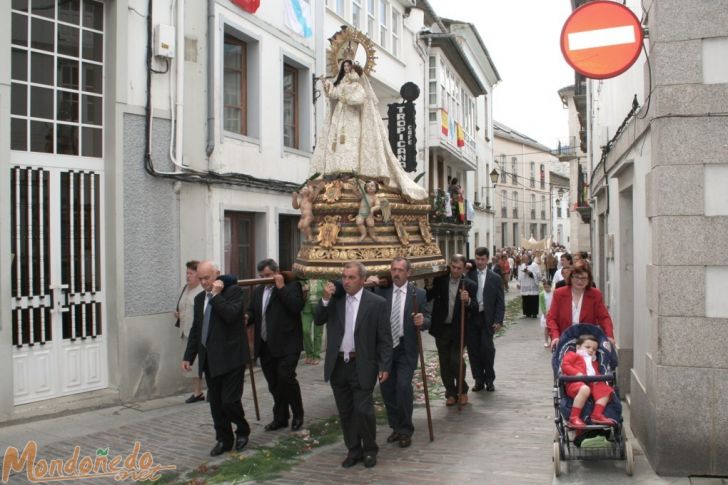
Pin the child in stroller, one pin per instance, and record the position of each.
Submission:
(587, 409)
(583, 362)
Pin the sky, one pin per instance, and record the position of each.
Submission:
(522, 37)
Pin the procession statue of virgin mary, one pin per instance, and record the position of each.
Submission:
(354, 139)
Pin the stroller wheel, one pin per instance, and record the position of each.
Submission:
(629, 456)
(557, 459)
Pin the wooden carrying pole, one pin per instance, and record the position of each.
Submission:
(252, 384)
(422, 368)
(462, 345)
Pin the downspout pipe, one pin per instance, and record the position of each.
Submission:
(180, 74)
(210, 78)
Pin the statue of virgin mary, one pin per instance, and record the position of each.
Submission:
(354, 139)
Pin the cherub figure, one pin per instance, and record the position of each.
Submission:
(368, 206)
(304, 201)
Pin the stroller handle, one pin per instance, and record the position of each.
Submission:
(600, 378)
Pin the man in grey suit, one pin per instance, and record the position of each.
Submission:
(358, 350)
(405, 321)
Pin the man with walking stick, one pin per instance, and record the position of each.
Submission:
(407, 318)
(275, 312)
(447, 293)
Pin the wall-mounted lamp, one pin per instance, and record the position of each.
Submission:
(494, 177)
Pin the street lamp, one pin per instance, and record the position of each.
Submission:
(560, 194)
(494, 177)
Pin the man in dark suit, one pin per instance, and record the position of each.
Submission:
(446, 293)
(358, 350)
(486, 322)
(220, 341)
(405, 321)
(275, 313)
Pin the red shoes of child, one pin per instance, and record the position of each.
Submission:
(575, 422)
(601, 419)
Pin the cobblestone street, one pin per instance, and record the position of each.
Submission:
(500, 437)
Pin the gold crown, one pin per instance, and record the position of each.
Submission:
(344, 45)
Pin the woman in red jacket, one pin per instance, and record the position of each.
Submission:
(578, 302)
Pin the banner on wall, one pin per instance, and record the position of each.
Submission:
(402, 134)
(298, 17)
(445, 123)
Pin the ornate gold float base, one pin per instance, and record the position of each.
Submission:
(401, 228)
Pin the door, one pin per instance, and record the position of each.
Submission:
(57, 304)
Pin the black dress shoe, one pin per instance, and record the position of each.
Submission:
(490, 387)
(350, 461)
(405, 441)
(478, 387)
(219, 449)
(240, 443)
(394, 437)
(274, 425)
(370, 460)
(296, 423)
(193, 398)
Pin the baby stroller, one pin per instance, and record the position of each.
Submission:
(596, 441)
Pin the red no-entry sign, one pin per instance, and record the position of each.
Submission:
(601, 39)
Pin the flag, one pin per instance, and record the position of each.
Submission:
(460, 134)
(445, 124)
(298, 17)
(248, 5)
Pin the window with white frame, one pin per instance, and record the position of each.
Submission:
(383, 23)
(533, 174)
(356, 14)
(396, 19)
(57, 73)
(290, 107)
(235, 89)
(433, 81)
(370, 19)
(340, 7)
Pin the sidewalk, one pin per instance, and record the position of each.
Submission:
(500, 437)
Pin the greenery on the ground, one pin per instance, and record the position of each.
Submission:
(513, 313)
(265, 462)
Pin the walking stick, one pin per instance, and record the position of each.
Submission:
(252, 383)
(462, 346)
(424, 374)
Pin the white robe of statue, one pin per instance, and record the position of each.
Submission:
(354, 139)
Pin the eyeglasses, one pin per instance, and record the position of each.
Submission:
(582, 278)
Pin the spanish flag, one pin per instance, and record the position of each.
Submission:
(460, 134)
(445, 124)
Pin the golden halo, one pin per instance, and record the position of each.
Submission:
(344, 45)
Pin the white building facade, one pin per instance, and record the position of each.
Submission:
(146, 133)
(523, 199)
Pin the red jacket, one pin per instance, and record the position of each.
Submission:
(592, 311)
(573, 364)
